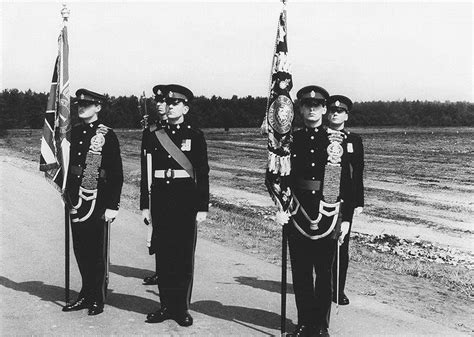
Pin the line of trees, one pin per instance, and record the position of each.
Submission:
(26, 110)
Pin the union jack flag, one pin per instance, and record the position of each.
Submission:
(55, 142)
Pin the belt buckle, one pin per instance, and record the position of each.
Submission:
(169, 173)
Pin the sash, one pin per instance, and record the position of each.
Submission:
(174, 151)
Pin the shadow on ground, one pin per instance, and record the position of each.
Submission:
(55, 294)
(268, 285)
(240, 315)
(127, 271)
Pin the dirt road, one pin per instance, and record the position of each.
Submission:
(234, 294)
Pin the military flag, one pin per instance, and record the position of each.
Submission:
(279, 118)
(55, 142)
(56, 139)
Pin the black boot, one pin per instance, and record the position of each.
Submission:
(184, 318)
(95, 308)
(151, 280)
(79, 304)
(159, 316)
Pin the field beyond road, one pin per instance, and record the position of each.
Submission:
(412, 247)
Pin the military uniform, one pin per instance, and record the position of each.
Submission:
(352, 181)
(315, 217)
(176, 197)
(94, 184)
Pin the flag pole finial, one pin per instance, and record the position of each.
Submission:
(65, 12)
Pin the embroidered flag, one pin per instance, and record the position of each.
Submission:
(279, 118)
(55, 141)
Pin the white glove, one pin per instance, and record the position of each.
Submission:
(110, 215)
(344, 230)
(201, 216)
(358, 210)
(146, 216)
(282, 218)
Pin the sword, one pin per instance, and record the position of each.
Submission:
(149, 177)
(107, 251)
(337, 276)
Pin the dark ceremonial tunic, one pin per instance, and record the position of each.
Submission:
(313, 295)
(175, 202)
(88, 234)
(352, 177)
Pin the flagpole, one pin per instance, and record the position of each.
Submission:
(65, 15)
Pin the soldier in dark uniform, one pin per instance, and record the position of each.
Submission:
(314, 222)
(179, 199)
(353, 162)
(93, 192)
(153, 125)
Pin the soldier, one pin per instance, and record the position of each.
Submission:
(314, 182)
(179, 199)
(353, 163)
(159, 91)
(93, 192)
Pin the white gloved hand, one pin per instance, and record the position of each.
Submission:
(344, 230)
(201, 216)
(282, 218)
(146, 216)
(110, 215)
(358, 210)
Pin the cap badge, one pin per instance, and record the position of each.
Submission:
(170, 94)
(158, 92)
(313, 94)
(337, 103)
(82, 96)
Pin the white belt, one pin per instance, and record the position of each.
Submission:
(171, 174)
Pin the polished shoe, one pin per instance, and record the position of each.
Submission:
(323, 332)
(151, 280)
(343, 300)
(159, 316)
(184, 319)
(301, 331)
(79, 304)
(95, 308)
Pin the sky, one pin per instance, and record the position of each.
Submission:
(366, 50)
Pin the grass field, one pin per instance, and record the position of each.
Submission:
(413, 246)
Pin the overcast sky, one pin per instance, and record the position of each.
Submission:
(366, 50)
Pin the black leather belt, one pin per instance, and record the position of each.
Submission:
(77, 170)
(311, 185)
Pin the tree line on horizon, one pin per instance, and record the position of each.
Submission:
(26, 110)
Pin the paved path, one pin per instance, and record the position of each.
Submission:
(234, 294)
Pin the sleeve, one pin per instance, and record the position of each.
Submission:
(201, 167)
(358, 173)
(114, 171)
(143, 169)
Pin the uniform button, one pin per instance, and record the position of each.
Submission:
(156, 148)
(312, 151)
(294, 155)
(312, 164)
(78, 176)
(189, 126)
(84, 131)
(173, 132)
(78, 153)
(312, 137)
(177, 127)
(167, 181)
(80, 142)
(314, 178)
(169, 156)
(313, 192)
